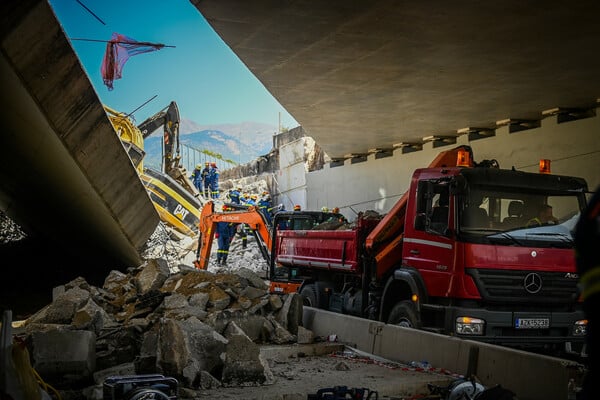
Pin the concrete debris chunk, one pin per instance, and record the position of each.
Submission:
(290, 315)
(63, 308)
(207, 381)
(275, 302)
(187, 347)
(280, 335)
(342, 366)
(145, 362)
(198, 300)
(243, 364)
(252, 277)
(305, 336)
(152, 275)
(65, 354)
(92, 317)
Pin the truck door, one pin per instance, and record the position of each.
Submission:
(428, 244)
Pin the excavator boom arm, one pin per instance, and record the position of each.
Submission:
(208, 223)
(169, 119)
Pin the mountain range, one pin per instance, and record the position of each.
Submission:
(226, 144)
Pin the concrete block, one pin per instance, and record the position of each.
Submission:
(405, 344)
(152, 276)
(244, 363)
(66, 354)
(529, 376)
(357, 332)
(305, 336)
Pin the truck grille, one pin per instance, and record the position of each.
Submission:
(535, 287)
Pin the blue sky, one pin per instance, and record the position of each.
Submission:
(206, 79)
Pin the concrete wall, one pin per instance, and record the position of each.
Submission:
(529, 376)
(376, 184)
(291, 177)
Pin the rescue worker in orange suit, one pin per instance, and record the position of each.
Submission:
(225, 233)
(587, 258)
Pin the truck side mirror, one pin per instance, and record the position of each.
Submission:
(420, 220)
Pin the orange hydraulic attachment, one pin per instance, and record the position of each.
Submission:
(208, 224)
(385, 241)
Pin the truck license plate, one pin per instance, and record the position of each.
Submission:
(532, 323)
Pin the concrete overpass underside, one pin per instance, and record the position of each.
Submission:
(359, 76)
(63, 170)
(367, 75)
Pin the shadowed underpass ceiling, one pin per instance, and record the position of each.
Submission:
(364, 75)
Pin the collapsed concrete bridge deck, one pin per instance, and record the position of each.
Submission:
(63, 170)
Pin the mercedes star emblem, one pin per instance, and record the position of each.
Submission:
(532, 283)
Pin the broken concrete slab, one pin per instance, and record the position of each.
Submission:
(65, 356)
(63, 308)
(153, 274)
(290, 315)
(243, 363)
(92, 317)
(187, 347)
(305, 336)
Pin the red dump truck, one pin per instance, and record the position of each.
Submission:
(463, 252)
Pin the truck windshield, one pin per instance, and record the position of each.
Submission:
(538, 219)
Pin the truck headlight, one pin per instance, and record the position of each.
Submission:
(580, 327)
(469, 326)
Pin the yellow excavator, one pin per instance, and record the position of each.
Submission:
(175, 198)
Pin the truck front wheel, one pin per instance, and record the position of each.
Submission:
(405, 314)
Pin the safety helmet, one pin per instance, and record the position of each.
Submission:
(198, 166)
(335, 210)
(213, 164)
(253, 197)
(239, 189)
(297, 207)
(207, 163)
(265, 193)
(324, 209)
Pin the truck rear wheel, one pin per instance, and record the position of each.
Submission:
(309, 296)
(405, 314)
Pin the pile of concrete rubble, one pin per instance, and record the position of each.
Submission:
(203, 328)
(9, 230)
